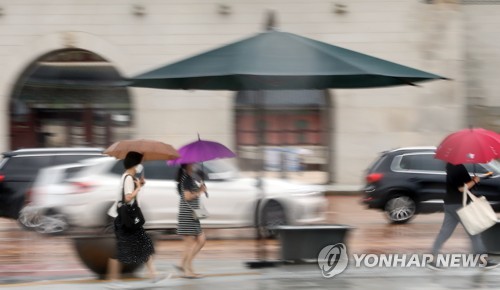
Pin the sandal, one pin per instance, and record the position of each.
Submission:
(179, 269)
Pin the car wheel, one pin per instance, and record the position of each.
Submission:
(273, 215)
(29, 217)
(52, 223)
(400, 209)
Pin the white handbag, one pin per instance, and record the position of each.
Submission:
(199, 213)
(478, 215)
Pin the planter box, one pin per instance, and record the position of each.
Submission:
(491, 239)
(303, 243)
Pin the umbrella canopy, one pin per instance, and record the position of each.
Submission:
(151, 149)
(276, 60)
(200, 151)
(474, 145)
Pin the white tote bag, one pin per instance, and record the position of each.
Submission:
(478, 215)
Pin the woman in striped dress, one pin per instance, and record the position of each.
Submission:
(188, 226)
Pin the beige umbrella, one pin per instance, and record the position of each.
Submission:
(151, 149)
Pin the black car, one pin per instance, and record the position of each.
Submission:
(407, 181)
(19, 168)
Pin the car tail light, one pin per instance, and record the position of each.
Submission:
(82, 187)
(2, 178)
(28, 195)
(374, 177)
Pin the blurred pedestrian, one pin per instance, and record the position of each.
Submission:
(132, 247)
(188, 226)
(456, 178)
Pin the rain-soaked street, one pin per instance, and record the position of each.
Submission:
(29, 254)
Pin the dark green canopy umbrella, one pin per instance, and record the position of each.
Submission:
(276, 60)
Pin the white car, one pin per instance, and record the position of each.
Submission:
(83, 199)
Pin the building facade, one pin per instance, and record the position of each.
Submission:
(109, 40)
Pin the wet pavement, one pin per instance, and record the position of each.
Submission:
(226, 274)
(32, 261)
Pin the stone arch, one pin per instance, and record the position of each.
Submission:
(45, 44)
(42, 50)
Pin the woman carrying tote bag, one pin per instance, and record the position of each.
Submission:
(456, 177)
(132, 246)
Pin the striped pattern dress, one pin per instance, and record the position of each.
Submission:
(187, 224)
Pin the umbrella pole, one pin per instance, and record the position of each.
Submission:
(261, 249)
(203, 176)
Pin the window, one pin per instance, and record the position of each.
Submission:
(422, 162)
(157, 169)
(118, 168)
(217, 170)
(476, 168)
(301, 126)
(65, 159)
(26, 165)
(72, 171)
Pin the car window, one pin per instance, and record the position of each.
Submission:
(3, 162)
(375, 164)
(476, 168)
(71, 158)
(421, 162)
(118, 168)
(217, 170)
(494, 166)
(26, 165)
(73, 171)
(159, 169)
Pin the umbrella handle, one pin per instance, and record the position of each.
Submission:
(203, 183)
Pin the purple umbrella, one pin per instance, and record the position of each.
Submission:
(200, 151)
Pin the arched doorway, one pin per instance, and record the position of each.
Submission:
(294, 131)
(69, 98)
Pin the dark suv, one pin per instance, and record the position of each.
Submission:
(407, 181)
(19, 168)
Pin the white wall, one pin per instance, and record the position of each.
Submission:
(482, 50)
(410, 32)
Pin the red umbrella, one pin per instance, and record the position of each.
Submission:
(474, 145)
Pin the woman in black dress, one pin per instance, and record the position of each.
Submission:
(189, 227)
(132, 247)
